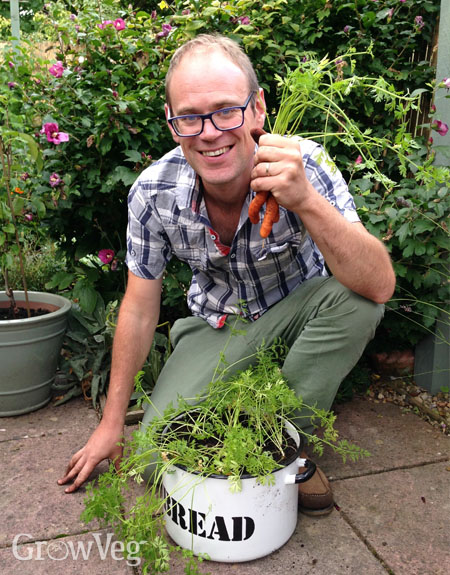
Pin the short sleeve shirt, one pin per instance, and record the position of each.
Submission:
(167, 216)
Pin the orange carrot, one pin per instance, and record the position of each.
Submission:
(255, 205)
(272, 214)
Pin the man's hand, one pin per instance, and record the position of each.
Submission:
(279, 169)
(103, 444)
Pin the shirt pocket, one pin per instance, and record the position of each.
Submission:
(280, 258)
(188, 245)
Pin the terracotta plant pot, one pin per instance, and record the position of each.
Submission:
(29, 352)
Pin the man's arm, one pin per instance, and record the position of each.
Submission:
(355, 257)
(138, 317)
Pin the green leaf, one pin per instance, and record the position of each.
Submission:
(39, 206)
(383, 13)
(408, 250)
(400, 270)
(56, 279)
(124, 174)
(420, 249)
(403, 232)
(391, 213)
(194, 25)
(32, 145)
(8, 228)
(87, 297)
(133, 156)
(421, 226)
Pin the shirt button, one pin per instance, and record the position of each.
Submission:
(233, 256)
(133, 253)
(213, 237)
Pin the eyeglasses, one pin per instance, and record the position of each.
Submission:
(225, 119)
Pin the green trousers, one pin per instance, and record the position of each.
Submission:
(325, 325)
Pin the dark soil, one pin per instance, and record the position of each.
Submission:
(20, 313)
(290, 447)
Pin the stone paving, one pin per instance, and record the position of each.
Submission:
(392, 509)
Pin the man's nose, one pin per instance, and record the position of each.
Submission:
(209, 129)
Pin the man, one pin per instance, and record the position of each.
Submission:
(194, 203)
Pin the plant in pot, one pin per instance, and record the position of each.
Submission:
(32, 324)
(225, 468)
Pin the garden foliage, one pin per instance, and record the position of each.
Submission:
(93, 70)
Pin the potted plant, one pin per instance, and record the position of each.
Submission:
(225, 470)
(32, 324)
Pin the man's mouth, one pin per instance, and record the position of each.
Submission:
(214, 153)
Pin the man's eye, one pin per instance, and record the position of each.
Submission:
(226, 113)
(189, 120)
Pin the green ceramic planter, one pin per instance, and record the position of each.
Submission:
(29, 352)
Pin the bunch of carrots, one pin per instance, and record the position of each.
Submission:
(272, 213)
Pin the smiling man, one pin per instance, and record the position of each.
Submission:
(193, 203)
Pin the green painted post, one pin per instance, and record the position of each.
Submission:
(443, 71)
(15, 21)
(432, 355)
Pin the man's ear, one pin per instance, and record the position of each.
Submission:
(260, 108)
(174, 135)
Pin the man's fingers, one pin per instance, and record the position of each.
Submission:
(83, 475)
(69, 472)
(80, 473)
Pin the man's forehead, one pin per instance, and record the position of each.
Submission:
(204, 54)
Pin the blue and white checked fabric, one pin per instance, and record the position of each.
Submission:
(167, 216)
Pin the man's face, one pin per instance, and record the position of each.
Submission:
(204, 82)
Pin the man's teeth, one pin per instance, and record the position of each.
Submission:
(216, 152)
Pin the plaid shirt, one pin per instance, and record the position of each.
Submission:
(167, 216)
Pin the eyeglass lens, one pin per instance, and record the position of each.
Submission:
(227, 119)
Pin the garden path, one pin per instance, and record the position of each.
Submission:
(391, 512)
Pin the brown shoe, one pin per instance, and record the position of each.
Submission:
(315, 496)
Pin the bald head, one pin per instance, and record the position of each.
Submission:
(205, 43)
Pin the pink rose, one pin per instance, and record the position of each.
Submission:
(55, 180)
(57, 69)
(440, 127)
(106, 256)
(119, 24)
(51, 130)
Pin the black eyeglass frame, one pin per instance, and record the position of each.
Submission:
(210, 116)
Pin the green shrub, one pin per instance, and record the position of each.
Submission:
(41, 263)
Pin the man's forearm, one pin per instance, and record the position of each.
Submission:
(355, 257)
(130, 349)
(134, 334)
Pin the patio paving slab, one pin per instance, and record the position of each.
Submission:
(394, 439)
(50, 421)
(403, 515)
(30, 498)
(319, 546)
